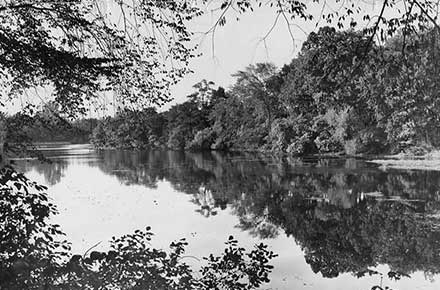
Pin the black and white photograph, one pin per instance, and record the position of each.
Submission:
(219, 144)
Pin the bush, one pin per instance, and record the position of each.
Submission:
(301, 146)
(202, 140)
(250, 138)
(372, 141)
(419, 149)
(325, 142)
(177, 139)
(280, 135)
(332, 130)
(291, 135)
(352, 147)
(32, 258)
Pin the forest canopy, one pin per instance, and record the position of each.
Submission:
(77, 50)
(324, 101)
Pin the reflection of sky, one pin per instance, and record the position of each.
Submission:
(95, 206)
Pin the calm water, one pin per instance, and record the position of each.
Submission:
(335, 223)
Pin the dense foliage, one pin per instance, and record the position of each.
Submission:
(79, 49)
(180, 127)
(22, 130)
(74, 52)
(331, 98)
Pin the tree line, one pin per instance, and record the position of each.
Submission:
(341, 94)
(45, 125)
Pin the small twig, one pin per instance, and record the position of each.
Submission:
(91, 248)
(427, 15)
(288, 24)
(195, 258)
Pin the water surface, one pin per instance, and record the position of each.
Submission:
(335, 223)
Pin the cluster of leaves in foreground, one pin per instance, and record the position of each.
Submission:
(26, 239)
(338, 95)
(33, 256)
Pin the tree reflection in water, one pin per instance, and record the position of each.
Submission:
(33, 255)
(348, 216)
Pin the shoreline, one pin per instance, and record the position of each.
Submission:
(401, 161)
(428, 161)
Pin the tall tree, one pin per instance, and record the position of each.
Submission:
(256, 86)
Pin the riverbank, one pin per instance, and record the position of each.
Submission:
(403, 161)
(428, 161)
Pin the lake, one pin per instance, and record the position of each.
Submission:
(335, 223)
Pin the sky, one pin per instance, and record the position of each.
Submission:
(231, 48)
(237, 45)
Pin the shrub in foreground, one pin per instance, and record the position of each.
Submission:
(33, 255)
